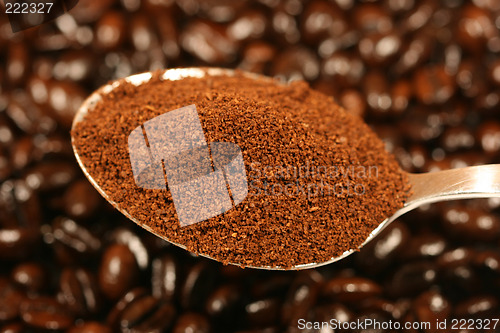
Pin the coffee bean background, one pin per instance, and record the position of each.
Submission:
(424, 74)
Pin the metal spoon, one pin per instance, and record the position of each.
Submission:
(465, 183)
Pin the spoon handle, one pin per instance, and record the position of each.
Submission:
(481, 181)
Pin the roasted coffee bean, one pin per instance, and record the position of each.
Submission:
(118, 271)
(71, 240)
(28, 116)
(51, 147)
(377, 94)
(372, 18)
(272, 286)
(301, 296)
(45, 313)
(457, 138)
(401, 94)
(257, 57)
(477, 307)
(225, 303)
(379, 253)
(81, 200)
(494, 70)
(90, 327)
(22, 153)
(379, 49)
(135, 245)
(7, 133)
(412, 278)
(249, 25)
(192, 322)
(296, 64)
(343, 69)
(353, 101)
(471, 79)
(30, 276)
(414, 53)
(470, 223)
(5, 164)
(75, 66)
(208, 42)
(113, 318)
(350, 289)
(475, 28)
(488, 260)
(64, 98)
(110, 31)
(456, 257)
(13, 328)
(50, 175)
(146, 314)
(433, 85)
(17, 64)
(431, 307)
(142, 33)
(198, 283)
(165, 277)
(284, 23)
(462, 278)
(11, 300)
(425, 245)
(263, 312)
(488, 135)
(78, 291)
(320, 20)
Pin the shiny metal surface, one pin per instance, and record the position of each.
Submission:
(466, 183)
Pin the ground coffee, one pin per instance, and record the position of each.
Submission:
(319, 180)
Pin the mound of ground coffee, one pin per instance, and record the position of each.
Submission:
(319, 180)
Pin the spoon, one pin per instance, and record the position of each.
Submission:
(466, 183)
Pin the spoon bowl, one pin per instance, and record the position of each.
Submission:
(465, 183)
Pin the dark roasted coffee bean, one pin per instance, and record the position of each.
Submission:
(249, 25)
(71, 240)
(110, 31)
(78, 291)
(284, 23)
(475, 28)
(456, 257)
(376, 90)
(208, 42)
(90, 327)
(336, 311)
(463, 278)
(296, 64)
(379, 49)
(401, 94)
(18, 63)
(301, 296)
(45, 313)
(5, 164)
(81, 200)
(456, 138)
(322, 19)
(18, 243)
(488, 136)
(419, 16)
(433, 85)
(343, 69)
(64, 98)
(372, 18)
(477, 307)
(22, 153)
(470, 223)
(50, 175)
(7, 133)
(379, 253)
(51, 146)
(471, 79)
(30, 276)
(263, 311)
(395, 310)
(118, 271)
(257, 57)
(425, 245)
(11, 300)
(350, 289)
(414, 53)
(14, 328)
(412, 278)
(431, 307)
(28, 116)
(147, 314)
(488, 260)
(198, 283)
(272, 286)
(75, 66)
(353, 101)
(165, 277)
(224, 303)
(135, 245)
(114, 316)
(192, 322)
(494, 71)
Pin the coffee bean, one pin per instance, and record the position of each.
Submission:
(11, 300)
(296, 64)
(64, 99)
(198, 282)
(110, 31)
(22, 153)
(353, 101)
(135, 245)
(18, 63)
(90, 327)
(165, 277)
(118, 271)
(351, 289)
(78, 291)
(412, 278)
(224, 303)
(145, 314)
(75, 66)
(257, 57)
(431, 306)
(379, 49)
(425, 245)
(320, 20)
(45, 313)
(301, 296)
(262, 312)
(28, 116)
(488, 135)
(192, 322)
(81, 200)
(401, 94)
(272, 286)
(31, 277)
(372, 18)
(471, 224)
(114, 316)
(433, 85)
(50, 175)
(249, 25)
(457, 138)
(456, 257)
(471, 79)
(488, 260)
(343, 69)
(475, 28)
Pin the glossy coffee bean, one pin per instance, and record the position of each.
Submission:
(284, 23)
(475, 27)
(372, 18)
(51, 146)
(477, 307)
(22, 153)
(431, 306)
(11, 299)
(134, 244)
(75, 66)
(90, 327)
(249, 25)
(343, 68)
(118, 271)
(471, 224)
(456, 257)
(17, 243)
(31, 277)
(45, 313)
(301, 296)
(50, 175)
(192, 322)
(257, 57)
(81, 200)
(378, 49)
(13, 328)
(377, 94)
(17, 64)
(110, 31)
(146, 314)
(350, 289)
(425, 245)
(322, 19)
(114, 315)
(64, 99)
(71, 240)
(488, 136)
(7, 132)
(198, 282)
(262, 312)
(275, 285)
(353, 101)
(165, 277)
(414, 53)
(487, 260)
(412, 278)
(471, 78)
(29, 117)
(433, 85)
(78, 291)
(224, 302)
(296, 64)
(142, 33)
(456, 138)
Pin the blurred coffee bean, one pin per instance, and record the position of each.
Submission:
(11, 300)
(350, 289)
(165, 277)
(90, 327)
(418, 16)
(142, 33)
(168, 35)
(13, 328)
(17, 63)
(257, 57)
(494, 71)
(401, 94)
(475, 28)
(457, 138)
(22, 153)
(477, 307)
(45, 313)
(424, 245)
(54, 146)
(198, 283)
(110, 31)
(377, 94)
(395, 310)
(301, 296)
(5, 164)
(379, 253)
(30, 276)
(296, 64)
(336, 311)
(47, 176)
(488, 260)
(414, 53)
(118, 271)
(284, 22)
(208, 42)
(275, 285)
(262, 312)
(470, 223)
(65, 97)
(488, 135)
(16, 243)
(114, 315)
(411, 278)
(78, 291)
(192, 322)
(353, 101)
(224, 303)
(471, 78)
(372, 18)
(322, 19)
(29, 117)
(378, 49)
(7, 133)
(75, 66)
(433, 85)
(431, 307)
(249, 25)
(456, 257)
(81, 200)
(343, 68)
(147, 314)
(135, 245)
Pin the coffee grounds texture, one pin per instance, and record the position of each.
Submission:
(276, 126)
